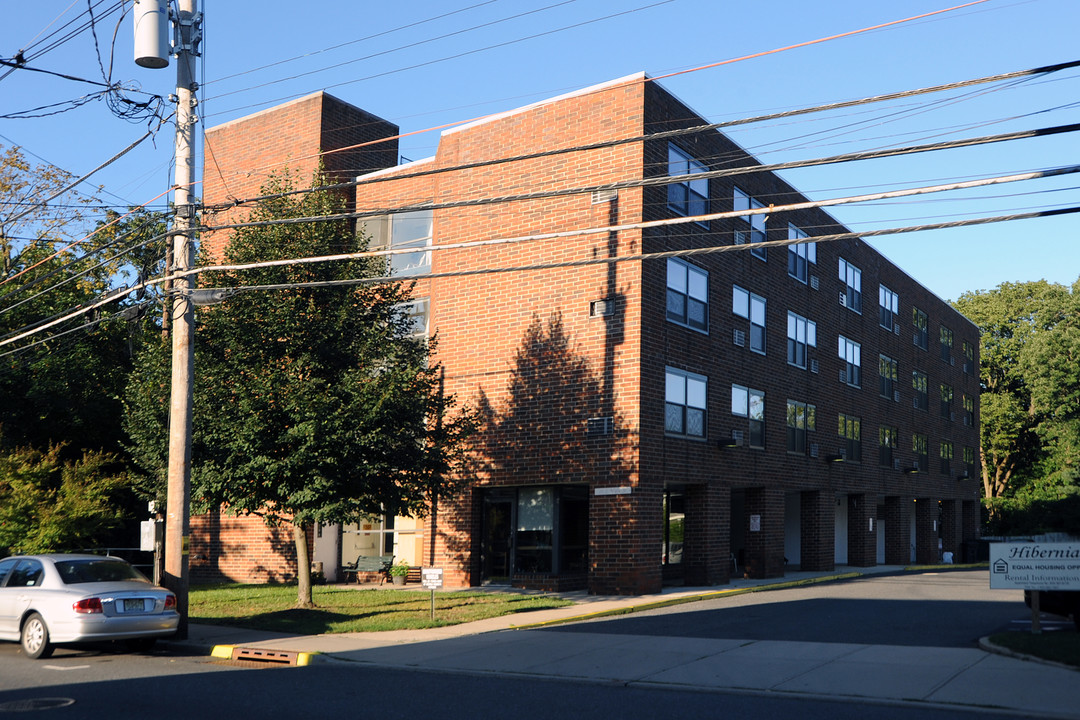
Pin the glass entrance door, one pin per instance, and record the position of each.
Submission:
(497, 539)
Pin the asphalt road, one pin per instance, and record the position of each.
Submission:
(94, 685)
(950, 609)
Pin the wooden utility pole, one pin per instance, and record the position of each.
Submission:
(178, 498)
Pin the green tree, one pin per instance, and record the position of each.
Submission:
(63, 385)
(1030, 382)
(49, 504)
(312, 404)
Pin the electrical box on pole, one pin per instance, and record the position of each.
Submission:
(151, 23)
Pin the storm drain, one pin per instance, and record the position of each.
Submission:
(262, 655)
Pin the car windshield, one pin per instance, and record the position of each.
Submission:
(86, 571)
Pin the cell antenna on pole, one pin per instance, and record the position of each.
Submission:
(151, 34)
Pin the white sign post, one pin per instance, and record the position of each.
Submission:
(431, 578)
(1035, 566)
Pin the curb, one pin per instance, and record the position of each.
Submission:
(987, 645)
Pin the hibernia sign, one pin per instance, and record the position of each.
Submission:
(1035, 566)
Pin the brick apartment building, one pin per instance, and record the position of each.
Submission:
(650, 420)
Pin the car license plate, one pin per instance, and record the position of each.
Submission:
(134, 605)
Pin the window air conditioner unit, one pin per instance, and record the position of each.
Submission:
(896, 464)
(952, 361)
(814, 450)
(843, 299)
(896, 395)
(813, 365)
(600, 426)
(737, 437)
(896, 328)
(843, 375)
(814, 282)
(915, 403)
(739, 338)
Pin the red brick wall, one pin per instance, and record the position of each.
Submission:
(241, 549)
(241, 155)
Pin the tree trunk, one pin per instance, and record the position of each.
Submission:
(303, 567)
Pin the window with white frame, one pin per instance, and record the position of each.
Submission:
(402, 231)
(801, 419)
(888, 307)
(946, 453)
(687, 294)
(416, 312)
(850, 431)
(921, 385)
(800, 255)
(685, 396)
(922, 334)
(755, 224)
(851, 353)
(750, 404)
(851, 277)
(690, 196)
(887, 376)
(752, 307)
(920, 447)
(801, 334)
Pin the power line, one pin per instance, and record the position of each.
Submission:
(120, 294)
(716, 249)
(670, 134)
(671, 179)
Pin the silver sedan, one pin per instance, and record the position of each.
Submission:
(50, 599)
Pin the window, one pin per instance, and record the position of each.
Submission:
(849, 430)
(887, 437)
(946, 344)
(752, 307)
(946, 401)
(888, 307)
(850, 352)
(969, 461)
(851, 277)
(687, 295)
(750, 404)
(402, 231)
(918, 446)
(801, 255)
(684, 406)
(691, 196)
(922, 337)
(921, 386)
(756, 223)
(887, 374)
(969, 410)
(946, 457)
(969, 358)
(801, 334)
(416, 312)
(801, 419)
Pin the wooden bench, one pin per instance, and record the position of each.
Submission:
(367, 564)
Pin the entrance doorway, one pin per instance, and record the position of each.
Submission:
(497, 537)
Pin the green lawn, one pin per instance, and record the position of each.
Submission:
(1061, 646)
(345, 609)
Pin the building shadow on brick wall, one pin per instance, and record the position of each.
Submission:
(556, 424)
(228, 548)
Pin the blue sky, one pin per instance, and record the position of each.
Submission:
(428, 63)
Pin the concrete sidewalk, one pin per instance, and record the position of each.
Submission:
(513, 645)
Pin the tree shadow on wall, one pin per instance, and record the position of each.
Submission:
(558, 422)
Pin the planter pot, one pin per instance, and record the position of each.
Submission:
(398, 579)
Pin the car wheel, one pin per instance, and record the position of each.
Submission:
(140, 645)
(35, 638)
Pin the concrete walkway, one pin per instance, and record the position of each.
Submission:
(513, 645)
